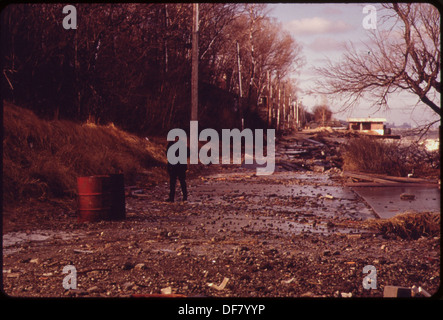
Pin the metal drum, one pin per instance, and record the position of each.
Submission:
(94, 198)
(117, 189)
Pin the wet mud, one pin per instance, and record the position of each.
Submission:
(290, 234)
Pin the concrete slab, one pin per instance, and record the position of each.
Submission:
(386, 201)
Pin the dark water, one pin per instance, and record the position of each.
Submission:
(386, 201)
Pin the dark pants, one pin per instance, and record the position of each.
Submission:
(175, 173)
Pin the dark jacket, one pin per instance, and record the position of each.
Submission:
(179, 166)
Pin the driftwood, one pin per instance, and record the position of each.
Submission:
(401, 179)
(379, 180)
(291, 166)
(398, 184)
(367, 177)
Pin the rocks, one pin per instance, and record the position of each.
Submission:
(93, 289)
(140, 266)
(128, 265)
(308, 294)
(127, 285)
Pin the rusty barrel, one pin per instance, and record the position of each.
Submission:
(117, 189)
(94, 198)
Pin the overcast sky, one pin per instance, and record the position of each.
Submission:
(322, 29)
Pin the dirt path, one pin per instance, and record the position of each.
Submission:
(285, 235)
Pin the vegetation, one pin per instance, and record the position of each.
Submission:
(130, 64)
(409, 226)
(322, 113)
(42, 159)
(373, 155)
(403, 57)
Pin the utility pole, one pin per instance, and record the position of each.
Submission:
(268, 85)
(239, 71)
(194, 74)
(296, 115)
(278, 107)
(166, 38)
(290, 113)
(239, 85)
(284, 107)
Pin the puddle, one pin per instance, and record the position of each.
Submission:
(310, 193)
(387, 203)
(12, 239)
(250, 223)
(280, 203)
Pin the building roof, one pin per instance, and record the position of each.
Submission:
(366, 120)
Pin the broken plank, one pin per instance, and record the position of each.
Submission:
(314, 142)
(367, 177)
(401, 179)
(291, 166)
(399, 184)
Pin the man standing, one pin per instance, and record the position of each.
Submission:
(177, 171)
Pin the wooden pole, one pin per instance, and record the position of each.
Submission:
(240, 86)
(284, 108)
(194, 75)
(278, 106)
(239, 71)
(268, 85)
(296, 114)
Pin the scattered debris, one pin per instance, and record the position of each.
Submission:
(407, 196)
(93, 289)
(289, 281)
(284, 247)
(82, 251)
(404, 292)
(157, 295)
(221, 286)
(417, 291)
(127, 285)
(309, 152)
(140, 266)
(308, 294)
(167, 290)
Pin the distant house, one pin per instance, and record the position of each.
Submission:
(367, 125)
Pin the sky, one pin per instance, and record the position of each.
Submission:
(322, 29)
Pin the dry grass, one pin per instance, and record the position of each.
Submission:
(368, 154)
(409, 226)
(43, 158)
(372, 155)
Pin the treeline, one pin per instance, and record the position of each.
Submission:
(130, 64)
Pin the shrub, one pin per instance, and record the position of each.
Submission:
(409, 226)
(43, 158)
(375, 155)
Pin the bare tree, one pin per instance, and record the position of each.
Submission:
(405, 56)
(322, 113)
(131, 63)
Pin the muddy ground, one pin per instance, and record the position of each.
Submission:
(291, 234)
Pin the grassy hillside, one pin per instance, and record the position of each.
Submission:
(42, 159)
